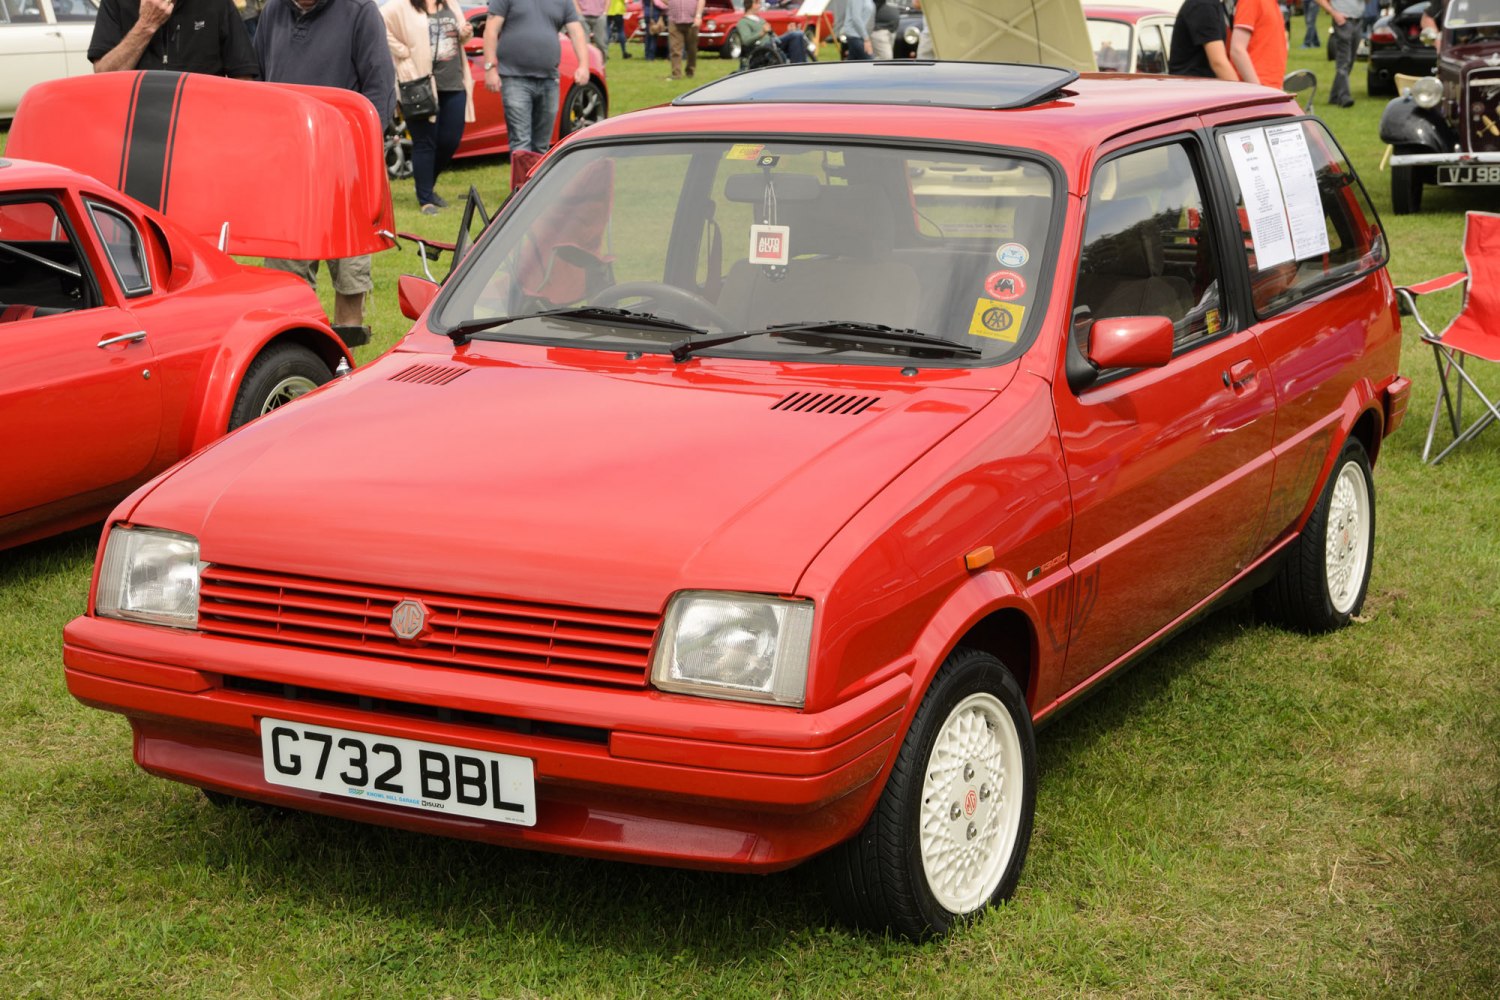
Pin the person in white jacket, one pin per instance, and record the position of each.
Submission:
(427, 40)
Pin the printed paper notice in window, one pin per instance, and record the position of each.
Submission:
(1260, 188)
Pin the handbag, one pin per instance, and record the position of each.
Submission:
(418, 98)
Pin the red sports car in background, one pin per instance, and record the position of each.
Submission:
(127, 340)
(720, 17)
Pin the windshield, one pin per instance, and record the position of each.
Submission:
(1111, 41)
(1469, 13)
(728, 236)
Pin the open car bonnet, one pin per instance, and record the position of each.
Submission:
(550, 484)
(292, 171)
(1048, 32)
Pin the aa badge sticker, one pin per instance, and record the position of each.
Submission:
(768, 245)
(996, 320)
(1012, 255)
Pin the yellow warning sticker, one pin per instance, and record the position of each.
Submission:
(743, 151)
(996, 320)
(1211, 320)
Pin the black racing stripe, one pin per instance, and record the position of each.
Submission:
(166, 184)
(135, 89)
(150, 134)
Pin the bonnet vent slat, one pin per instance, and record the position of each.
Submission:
(428, 374)
(824, 402)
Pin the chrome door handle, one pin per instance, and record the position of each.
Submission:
(124, 338)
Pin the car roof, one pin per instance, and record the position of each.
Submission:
(1066, 124)
(1122, 12)
(33, 175)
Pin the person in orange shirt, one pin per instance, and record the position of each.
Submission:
(1257, 45)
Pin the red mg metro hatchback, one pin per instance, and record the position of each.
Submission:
(775, 462)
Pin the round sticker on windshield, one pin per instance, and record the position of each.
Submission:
(1006, 286)
(1012, 255)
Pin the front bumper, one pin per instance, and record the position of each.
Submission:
(1442, 159)
(630, 774)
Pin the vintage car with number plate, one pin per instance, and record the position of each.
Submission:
(1445, 129)
(737, 503)
(127, 338)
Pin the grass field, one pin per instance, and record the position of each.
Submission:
(1248, 812)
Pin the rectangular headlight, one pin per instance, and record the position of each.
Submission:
(148, 575)
(745, 647)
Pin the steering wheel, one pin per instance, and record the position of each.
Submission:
(693, 308)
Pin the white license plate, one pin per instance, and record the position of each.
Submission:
(409, 773)
(1481, 174)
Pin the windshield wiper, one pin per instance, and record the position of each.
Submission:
(462, 333)
(837, 332)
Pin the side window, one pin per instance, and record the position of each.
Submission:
(41, 270)
(127, 252)
(74, 11)
(1305, 220)
(1148, 245)
(1150, 57)
(23, 11)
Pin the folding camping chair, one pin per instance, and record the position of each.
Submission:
(1474, 332)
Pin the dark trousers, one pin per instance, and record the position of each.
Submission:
(433, 142)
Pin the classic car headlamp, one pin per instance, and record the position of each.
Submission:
(739, 646)
(148, 575)
(1427, 92)
(912, 35)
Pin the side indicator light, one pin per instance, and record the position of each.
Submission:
(979, 558)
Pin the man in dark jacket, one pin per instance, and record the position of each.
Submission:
(191, 36)
(330, 43)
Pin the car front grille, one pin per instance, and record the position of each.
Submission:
(1482, 111)
(557, 642)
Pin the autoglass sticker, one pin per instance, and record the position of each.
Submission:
(1280, 190)
(744, 151)
(1012, 255)
(996, 320)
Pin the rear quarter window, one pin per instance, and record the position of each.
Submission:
(1305, 220)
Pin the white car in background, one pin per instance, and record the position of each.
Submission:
(42, 40)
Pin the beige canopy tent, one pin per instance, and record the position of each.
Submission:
(1052, 32)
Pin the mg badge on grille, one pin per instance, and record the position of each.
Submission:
(409, 619)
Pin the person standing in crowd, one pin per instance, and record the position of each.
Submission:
(614, 14)
(853, 26)
(330, 43)
(750, 29)
(684, 17)
(522, 50)
(191, 36)
(653, 25)
(426, 39)
(1311, 39)
(595, 23)
(883, 35)
(1346, 15)
(1257, 43)
(1198, 47)
(250, 14)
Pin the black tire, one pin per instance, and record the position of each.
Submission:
(1406, 190)
(279, 374)
(882, 879)
(765, 55)
(1310, 593)
(733, 48)
(586, 105)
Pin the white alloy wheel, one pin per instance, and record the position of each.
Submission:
(1347, 538)
(971, 803)
(287, 390)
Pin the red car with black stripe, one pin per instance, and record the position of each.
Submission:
(128, 337)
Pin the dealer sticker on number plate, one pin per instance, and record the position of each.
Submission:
(409, 773)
